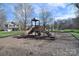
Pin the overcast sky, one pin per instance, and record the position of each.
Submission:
(58, 11)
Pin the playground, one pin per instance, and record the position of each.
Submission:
(39, 29)
(39, 41)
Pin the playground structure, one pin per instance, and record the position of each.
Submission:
(39, 30)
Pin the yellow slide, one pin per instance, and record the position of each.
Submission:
(30, 30)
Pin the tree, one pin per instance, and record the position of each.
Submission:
(2, 17)
(22, 14)
(76, 20)
(77, 5)
(44, 15)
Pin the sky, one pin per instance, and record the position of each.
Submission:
(58, 10)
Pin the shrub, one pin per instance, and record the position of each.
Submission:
(1, 29)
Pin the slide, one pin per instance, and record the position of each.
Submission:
(30, 30)
(37, 28)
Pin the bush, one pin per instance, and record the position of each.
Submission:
(1, 29)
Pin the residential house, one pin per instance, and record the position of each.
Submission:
(11, 26)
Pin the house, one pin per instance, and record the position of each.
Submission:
(11, 26)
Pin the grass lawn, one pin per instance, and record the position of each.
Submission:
(12, 33)
(76, 35)
(67, 30)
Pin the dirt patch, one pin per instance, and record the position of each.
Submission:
(64, 45)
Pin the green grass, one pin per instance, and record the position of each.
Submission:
(12, 33)
(76, 35)
(67, 30)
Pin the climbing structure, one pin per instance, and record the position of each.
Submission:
(37, 29)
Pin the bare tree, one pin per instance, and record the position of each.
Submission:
(22, 14)
(2, 17)
(44, 15)
(76, 20)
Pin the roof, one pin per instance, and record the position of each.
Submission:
(34, 19)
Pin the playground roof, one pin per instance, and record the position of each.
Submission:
(34, 19)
